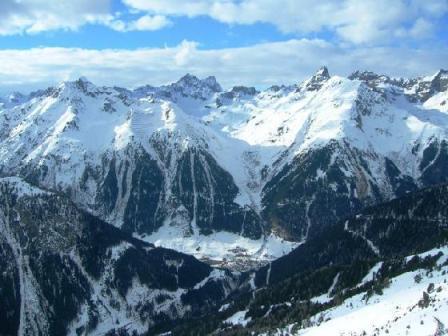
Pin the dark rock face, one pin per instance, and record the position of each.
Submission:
(192, 82)
(237, 93)
(145, 189)
(208, 192)
(9, 290)
(199, 192)
(314, 191)
(440, 81)
(139, 192)
(434, 165)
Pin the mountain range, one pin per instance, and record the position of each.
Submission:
(141, 211)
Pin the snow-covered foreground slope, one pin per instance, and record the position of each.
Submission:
(229, 174)
(414, 303)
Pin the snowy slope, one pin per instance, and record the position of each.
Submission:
(400, 310)
(439, 102)
(304, 119)
(283, 123)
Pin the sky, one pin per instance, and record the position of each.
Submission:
(242, 42)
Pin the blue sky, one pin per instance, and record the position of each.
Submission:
(209, 33)
(250, 42)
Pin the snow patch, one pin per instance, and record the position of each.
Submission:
(239, 318)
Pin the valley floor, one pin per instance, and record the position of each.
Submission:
(223, 249)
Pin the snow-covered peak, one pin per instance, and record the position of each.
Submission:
(377, 81)
(187, 86)
(193, 81)
(422, 89)
(322, 73)
(317, 80)
(83, 79)
(194, 95)
(188, 78)
(192, 85)
(82, 84)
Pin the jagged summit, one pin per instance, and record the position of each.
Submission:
(317, 80)
(322, 73)
(80, 81)
(190, 80)
(83, 79)
(423, 88)
(237, 93)
(440, 80)
(80, 85)
(365, 75)
(377, 81)
(441, 73)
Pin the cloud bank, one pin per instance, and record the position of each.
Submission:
(260, 65)
(366, 21)
(352, 21)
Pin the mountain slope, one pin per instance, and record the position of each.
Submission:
(64, 271)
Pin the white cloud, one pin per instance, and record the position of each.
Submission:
(371, 22)
(33, 16)
(144, 23)
(367, 21)
(150, 23)
(421, 28)
(260, 65)
(185, 53)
